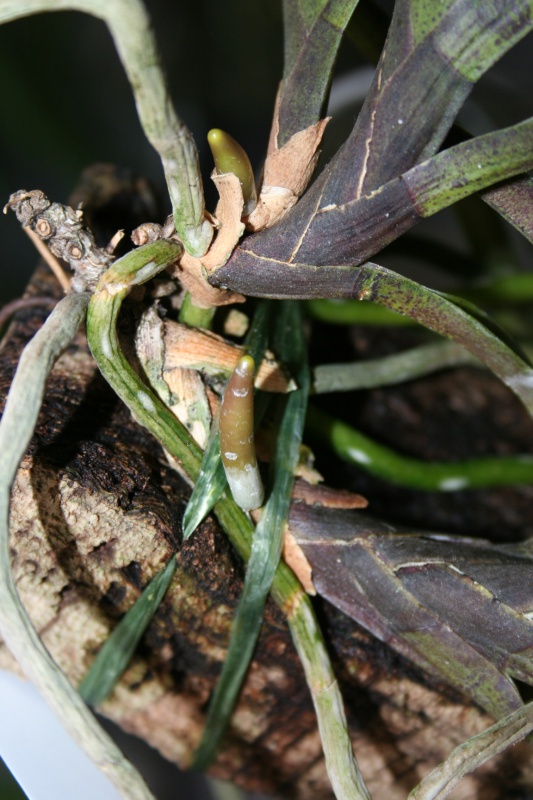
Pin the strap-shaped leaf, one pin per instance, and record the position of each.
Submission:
(514, 201)
(456, 607)
(469, 166)
(363, 226)
(212, 480)
(443, 316)
(118, 649)
(411, 107)
(409, 111)
(286, 591)
(383, 286)
(280, 261)
(313, 32)
(268, 538)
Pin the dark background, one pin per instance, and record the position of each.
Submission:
(65, 101)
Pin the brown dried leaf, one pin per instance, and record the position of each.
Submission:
(305, 467)
(199, 349)
(286, 174)
(294, 557)
(236, 323)
(192, 272)
(192, 407)
(321, 495)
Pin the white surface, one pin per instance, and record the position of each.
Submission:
(39, 752)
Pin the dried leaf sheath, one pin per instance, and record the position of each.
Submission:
(237, 437)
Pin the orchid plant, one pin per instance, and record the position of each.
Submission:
(298, 239)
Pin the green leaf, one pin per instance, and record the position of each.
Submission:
(424, 17)
(380, 285)
(411, 106)
(286, 590)
(415, 99)
(290, 347)
(313, 32)
(489, 323)
(446, 318)
(470, 166)
(474, 36)
(209, 487)
(117, 651)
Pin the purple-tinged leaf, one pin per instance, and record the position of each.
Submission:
(313, 32)
(411, 107)
(470, 166)
(345, 235)
(456, 607)
(514, 201)
(447, 318)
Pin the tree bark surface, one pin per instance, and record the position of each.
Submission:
(96, 512)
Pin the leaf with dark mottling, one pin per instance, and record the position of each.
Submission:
(457, 607)
(313, 33)
(434, 311)
(342, 236)
(514, 201)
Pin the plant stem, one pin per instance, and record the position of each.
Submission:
(269, 533)
(149, 411)
(195, 316)
(16, 429)
(130, 27)
(305, 630)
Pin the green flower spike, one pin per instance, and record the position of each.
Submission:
(230, 157)
(237, 437)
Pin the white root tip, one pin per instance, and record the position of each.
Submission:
(246, 487)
